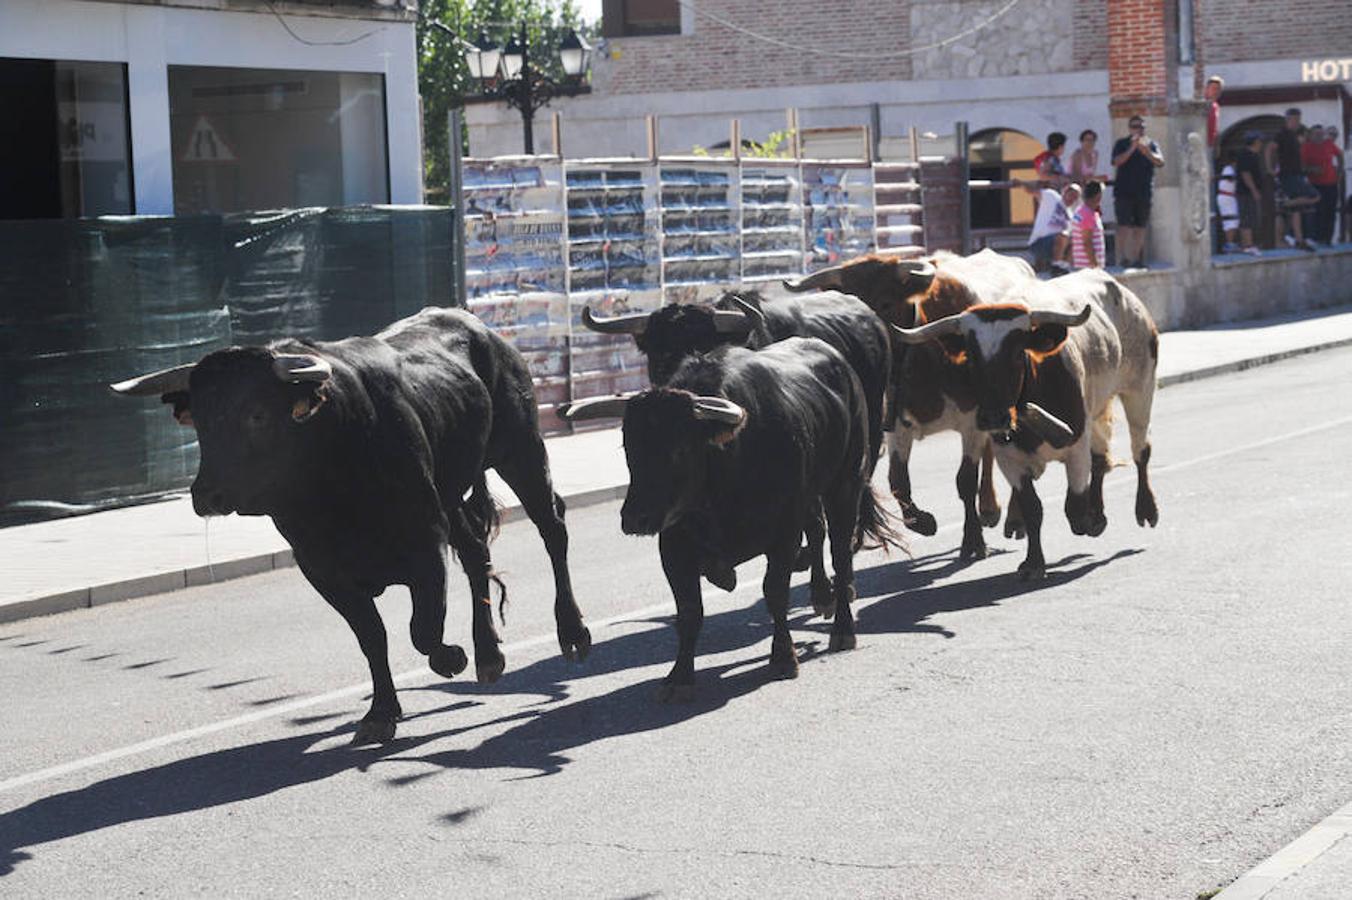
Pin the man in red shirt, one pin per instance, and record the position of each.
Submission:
(1214, 86)
(1319, 156)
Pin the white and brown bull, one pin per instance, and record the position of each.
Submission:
(932, 394)
(1046, 372)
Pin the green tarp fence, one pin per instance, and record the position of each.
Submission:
(87, 302)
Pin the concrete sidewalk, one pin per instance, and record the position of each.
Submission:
(136, 551)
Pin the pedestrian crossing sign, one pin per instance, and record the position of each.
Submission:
(205, 144)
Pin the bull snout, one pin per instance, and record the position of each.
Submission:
(208, 500)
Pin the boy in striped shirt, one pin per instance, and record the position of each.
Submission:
(1086, 245)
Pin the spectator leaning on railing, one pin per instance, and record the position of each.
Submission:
(1084, 161)
(1048, 165)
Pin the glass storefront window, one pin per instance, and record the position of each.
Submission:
(250, 139)
(64, 141)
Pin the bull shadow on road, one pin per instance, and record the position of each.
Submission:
(536, 740)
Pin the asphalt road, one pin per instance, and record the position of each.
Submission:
(1169, 708)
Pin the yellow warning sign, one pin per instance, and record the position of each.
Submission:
(206, 145)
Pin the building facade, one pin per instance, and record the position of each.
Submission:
(182, 107)
(1014, 71)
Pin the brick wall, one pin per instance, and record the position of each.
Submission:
(1137, 64)
(717, 57)
(1243, 30)
(1090, 38)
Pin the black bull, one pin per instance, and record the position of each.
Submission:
(369, 455)
(671, 334)
(734, 458)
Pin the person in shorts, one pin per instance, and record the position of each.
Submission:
(1284, 157)
(1227, 204)
(1047, 240)
(1135, 157)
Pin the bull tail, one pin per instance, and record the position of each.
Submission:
(876, 526)
(482, 510)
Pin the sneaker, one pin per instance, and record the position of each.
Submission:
(1308, 244)
(1230, 248)
(1252, 251)
(1290, 241)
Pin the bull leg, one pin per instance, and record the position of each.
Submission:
(778, 569)
(1034, 565)
(899, 441)
(1081, 513)
(1014, 527)
(823, 604)
(973, 544)
(428, 623)
(527, 474)
(842, 515)
(472, 548)
(1137, 405)
(988, 504)
(681, 564)
(359, 610)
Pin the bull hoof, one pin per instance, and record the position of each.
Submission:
(1032, 571)
(823, 601)
(373, 731)
(920, 522)
(670, 692)
(721, 576)
(973, 550)
(842, 642)
(1014, 529)
(989, 515)
(1146, 511)
(448, 661)
(575, 648)
(785, 667)
(1096, 525)
(488, 667)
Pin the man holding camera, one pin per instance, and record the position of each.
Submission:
(1136, 157)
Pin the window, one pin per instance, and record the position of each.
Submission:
(1000, 154)
(64, 150)
(636, 18)
(251, 139)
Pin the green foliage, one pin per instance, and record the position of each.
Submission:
(779, 145)
(443, 78)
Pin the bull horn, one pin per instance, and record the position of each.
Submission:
(593, 408)
(1040, 317)
(719, 409)
(741, 321)
(1046, 426)
(634, 323)
(165, 381)
(299, 367)
(822, 280)
(919, 269)
(934, 330)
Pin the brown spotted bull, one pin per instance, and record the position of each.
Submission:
(932, 394)
(1046, 372)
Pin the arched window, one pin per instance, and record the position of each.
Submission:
(1232, 139)
(1000, 154)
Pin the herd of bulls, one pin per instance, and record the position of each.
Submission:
(758, 438)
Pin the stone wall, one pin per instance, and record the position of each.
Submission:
(1035, 37)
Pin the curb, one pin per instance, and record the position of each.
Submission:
(176, 580)
(1289, 860)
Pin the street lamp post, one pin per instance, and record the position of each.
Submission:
(508, 75)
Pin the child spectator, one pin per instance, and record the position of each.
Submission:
(1047, 240)
(1087, 242)
(1227, 204)
(1048, 162)
(1249, 177)
(1084, 161)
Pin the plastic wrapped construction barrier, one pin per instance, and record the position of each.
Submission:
(87, 302)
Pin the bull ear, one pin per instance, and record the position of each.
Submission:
(1045, 340)
(305, 406)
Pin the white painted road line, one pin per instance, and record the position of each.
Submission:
(414, 675)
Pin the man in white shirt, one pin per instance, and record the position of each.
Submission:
(1048, 239)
